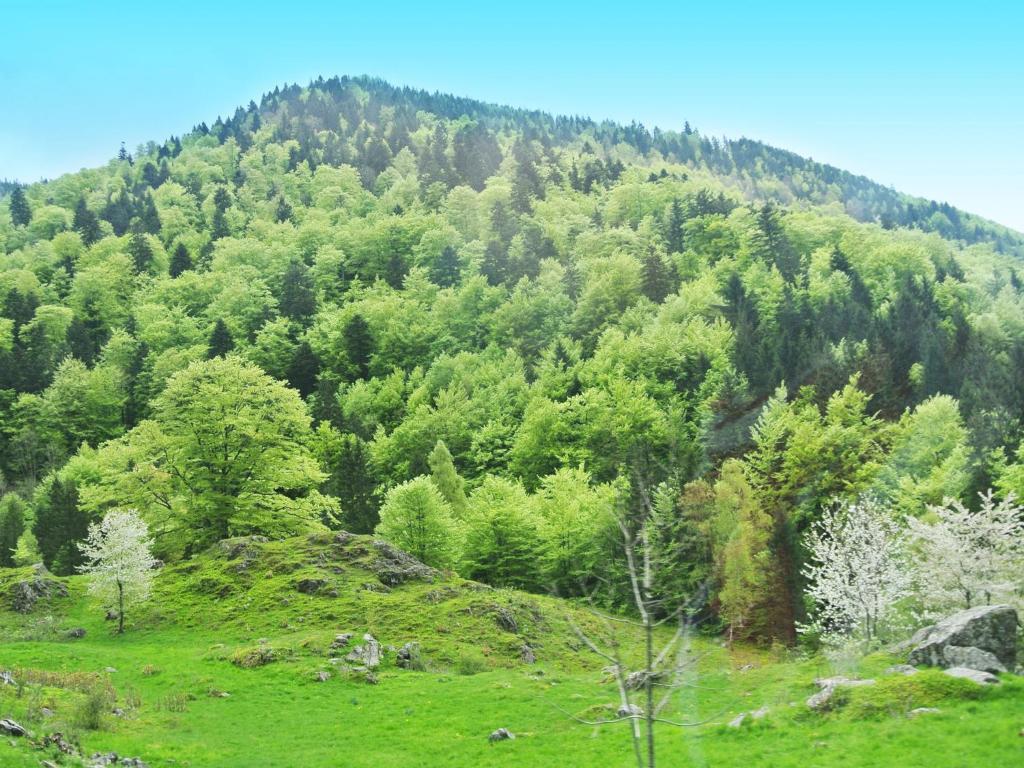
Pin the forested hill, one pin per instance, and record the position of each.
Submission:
(760, 170)
(353, 301)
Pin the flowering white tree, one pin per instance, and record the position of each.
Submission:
(118, 561)
(858, 570)
(970, 558)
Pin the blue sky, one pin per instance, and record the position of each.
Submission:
(926, 96)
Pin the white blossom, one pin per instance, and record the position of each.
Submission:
(970, 558)
(118, 560)
(858, 571)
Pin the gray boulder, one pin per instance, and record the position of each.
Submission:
(974, 675)
(408, 656)
(991, 628)
(368, 654)
(25, 594)
(394, 567)
(972, 658)
(629, 710)
(502, 734)
(11, 728)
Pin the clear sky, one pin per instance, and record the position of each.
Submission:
(925, 96)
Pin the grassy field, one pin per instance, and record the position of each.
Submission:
(170, 672)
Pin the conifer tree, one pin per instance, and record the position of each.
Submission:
(12, 526)
(674, 233)
(221, 342)
(358, 346)
(303, 370)
(446, 478)
(86, 223)
(284, 211)
(140, 251)
(446, 270)
(21, 213)
(298, 300)
(180, 260)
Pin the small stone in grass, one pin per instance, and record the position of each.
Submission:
(502, 734)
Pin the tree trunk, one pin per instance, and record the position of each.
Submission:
(120, 607)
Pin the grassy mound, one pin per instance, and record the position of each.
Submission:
(232, 664)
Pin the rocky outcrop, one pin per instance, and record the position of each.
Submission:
(822, 700)
(393, 566)
(408, 656)
(25, 594)
(974, 675)
(368, 654)
(11, 728)
(310, 586)
(972, 658)
(989, 628)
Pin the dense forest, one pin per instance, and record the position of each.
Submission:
(482, 332)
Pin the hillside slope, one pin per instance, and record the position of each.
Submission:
(223, 669)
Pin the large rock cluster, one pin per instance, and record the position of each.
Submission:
(25, 594)
(982, 638)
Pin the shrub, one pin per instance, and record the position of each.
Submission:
(92, 708)
(248, 658)
(897, 695)
(470, 663)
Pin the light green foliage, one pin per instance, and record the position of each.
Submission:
(447, 480)
(417, 518)
(930, 457)
(225, 453)
(26, 552)
(747, 571)
(501, 536)
(577, 522)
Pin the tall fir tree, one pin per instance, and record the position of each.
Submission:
(180, 260)
(358, 346)
(298, 299)
(221, 341)
(446, 270)
(86, 223)
(21, 213)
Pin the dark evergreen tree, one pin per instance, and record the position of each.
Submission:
(221, 342)
(674, 232)
(495, 266)
(526, 182)
(141, 252)
(395, 270)
(298, 298)
(180, 260)
(657, 278)
(284, 211)
(353, 481)
(303, 370)
(219, 226)
(119, 211)
(476, 155)
(136, 404)
(86, 223)
(12, 525)
(446, 270)
(149, 217)
(21, 213)
(87, 334)
(358, 346)
(59, 527)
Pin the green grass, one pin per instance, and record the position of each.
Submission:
(175, 662)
